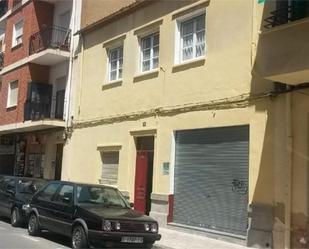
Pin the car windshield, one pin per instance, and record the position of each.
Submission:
(100, 195)
(29, 186)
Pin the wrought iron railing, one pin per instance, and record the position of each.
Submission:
(3, 7)
(1, 60)
(50, 37)
(36, 111)
(284, 15)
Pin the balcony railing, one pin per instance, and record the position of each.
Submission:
(50, 37)
(3, 7)
(36, 111)
(1, 60)
(284, 15)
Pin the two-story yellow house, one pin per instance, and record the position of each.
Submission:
(171, 108)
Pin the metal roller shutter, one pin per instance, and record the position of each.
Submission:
(211, 178)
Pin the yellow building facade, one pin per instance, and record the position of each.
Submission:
(173, 107)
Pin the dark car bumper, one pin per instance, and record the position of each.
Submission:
(113, 238)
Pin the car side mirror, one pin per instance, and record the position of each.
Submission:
(131, 204)
(33, 188)
(67, 198)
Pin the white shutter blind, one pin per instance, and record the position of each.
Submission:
(110, 162)
(19, 29)
(13, 94)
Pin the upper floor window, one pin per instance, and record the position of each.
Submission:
(12, 94)
(150, 52)
(115, 64)
(17, 33)
(191, 38)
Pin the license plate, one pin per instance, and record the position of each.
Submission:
(136, 240)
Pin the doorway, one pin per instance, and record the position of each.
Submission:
(143, 173)
(58, 167)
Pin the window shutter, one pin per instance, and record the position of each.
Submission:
(13, 93)
(19, 29)
(110, 162)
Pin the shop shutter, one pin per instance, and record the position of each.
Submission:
(211, 179)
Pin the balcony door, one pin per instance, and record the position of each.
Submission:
(59, 97)
(291, 10)
(38, 103)
(299, 9)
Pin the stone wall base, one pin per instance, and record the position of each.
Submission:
(260, 227)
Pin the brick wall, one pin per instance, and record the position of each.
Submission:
(24, 75)
(35, 14)
(14, 114)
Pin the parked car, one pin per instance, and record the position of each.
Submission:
(15, 193)
(91, 215)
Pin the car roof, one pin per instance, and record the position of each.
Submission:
(83, 184)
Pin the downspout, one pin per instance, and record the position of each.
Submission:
(70, 78)
(81, 75)
(289, 149)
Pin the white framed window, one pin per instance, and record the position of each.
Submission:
(110, 164)
(17, 33)
(115, 57)
(149, 52)
(191, 38)
(12, 94)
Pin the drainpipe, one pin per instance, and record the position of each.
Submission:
(289, 148)
(70, 78)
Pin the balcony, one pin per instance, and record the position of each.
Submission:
(50, 46)
(288, 13)
(283, 48)
(36, 111)
(39, 102)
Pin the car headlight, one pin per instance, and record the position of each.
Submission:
(106, 225)
(147, 227)
(154, 228)
(26, 207)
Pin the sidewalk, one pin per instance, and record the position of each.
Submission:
(172, 239)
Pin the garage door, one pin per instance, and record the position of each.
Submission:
(211, 178)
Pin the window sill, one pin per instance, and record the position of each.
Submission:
(11, 107)
(112, 84)
(189, 64)
(146, 75)
(17, 46)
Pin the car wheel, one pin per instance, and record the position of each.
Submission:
(79, 239)
(33, 225)
(15, 218)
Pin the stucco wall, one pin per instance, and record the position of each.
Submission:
(228, 51)
(106, 7)
(232, 43)
(225, 72)
(56, 72)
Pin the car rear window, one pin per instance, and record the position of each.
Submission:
(30, 186)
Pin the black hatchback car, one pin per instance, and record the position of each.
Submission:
(91, 215)
(15, 194)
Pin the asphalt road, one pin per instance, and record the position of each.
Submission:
(18, 238)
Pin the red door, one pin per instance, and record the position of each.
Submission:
(141, 172)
